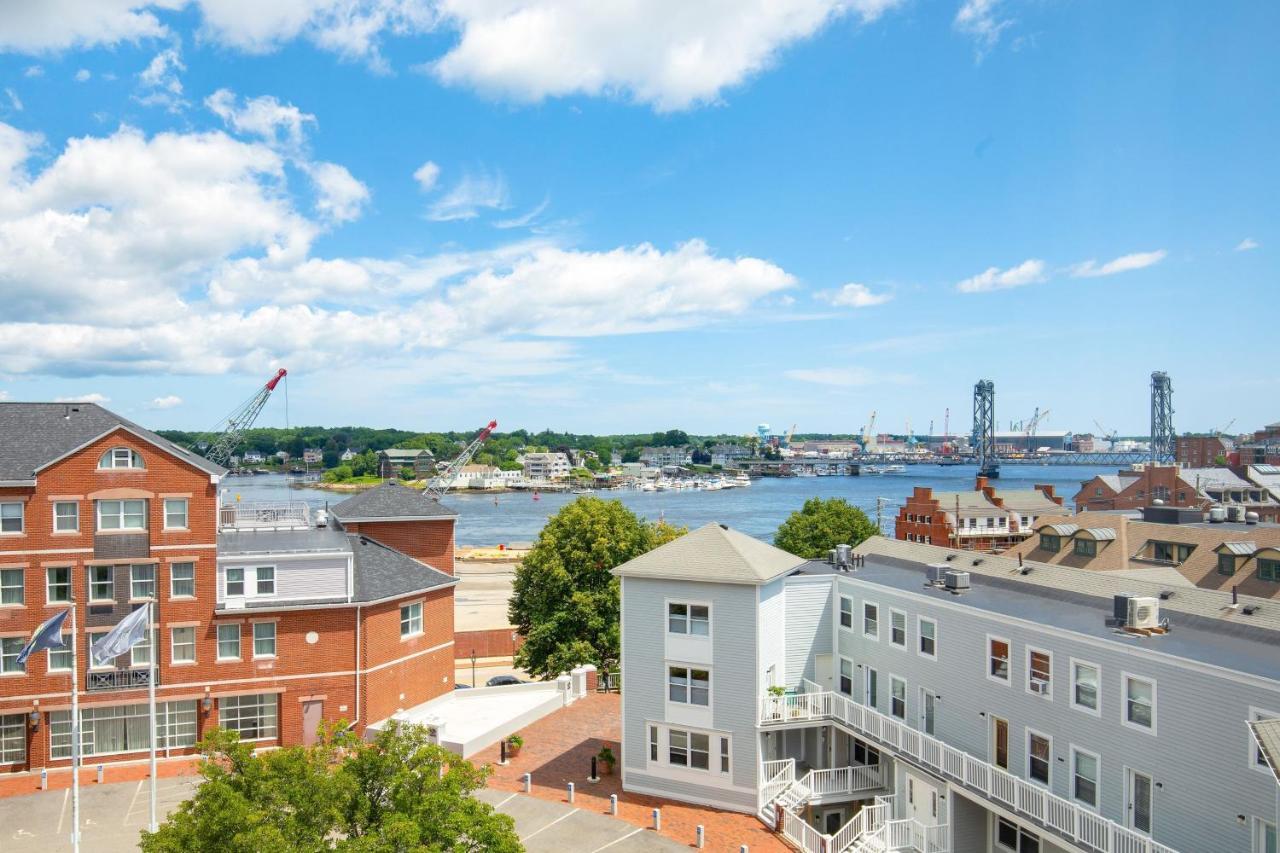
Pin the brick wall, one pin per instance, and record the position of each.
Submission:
(430, 541)
(491, 643)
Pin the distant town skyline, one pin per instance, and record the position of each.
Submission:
(603, 220)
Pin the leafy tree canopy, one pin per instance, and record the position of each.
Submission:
(565, 600)
(821, 525)
(398, 794)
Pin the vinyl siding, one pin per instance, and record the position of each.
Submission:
(808, 609)
(773, 632)
(322, 577)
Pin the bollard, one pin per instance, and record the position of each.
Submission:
(613, 804)
(594, 777)
(743, 849)
(102, 772)
(528, 782)
(502, 753)
(657, 820)
(701, 835)
(570, 793)
(44, 780)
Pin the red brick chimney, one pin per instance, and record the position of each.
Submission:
(1047, 490)
(980, 485)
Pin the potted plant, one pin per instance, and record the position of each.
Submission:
(777, 691)
(513, 745)
(606, 759)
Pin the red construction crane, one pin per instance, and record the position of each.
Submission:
(442, 481)
(233, 427)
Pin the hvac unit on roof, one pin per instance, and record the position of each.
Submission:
(1144, 612)
(936, 573)
(956, 581)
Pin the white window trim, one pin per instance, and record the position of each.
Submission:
(1257, 714)
(22, 588)
(853, 676)
(217, 649)
(1258, 825)
(195, 652)
(1027, 684)
(1071, 687)
(91, 636)
(121, 529)
(54, 520)
(862, 620)
(1026, 763)
(688, 635)
(906, 629)
(275, 639)
(183, 596)
(49, 600)
(1071, 778)
(987, 657)
(90, 583)
(164, 511)
(22, 518)
(155, 581)
(251, 581)
(905, 694)
(852, 613)
(688, 703)
(920, 637)
(422, 624)
(663, 763)
(49, 667)
(110, 456)
(867, 672)
(1124, 703)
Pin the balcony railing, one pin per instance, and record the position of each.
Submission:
(1077, 824)
(264, 516)
(119, 679)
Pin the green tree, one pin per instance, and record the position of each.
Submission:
(398, 793)
(565, 601)
(821, 525)
(337, 475)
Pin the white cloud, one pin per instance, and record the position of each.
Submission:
(1030, 271)
(93, 397)
(854, 295)
(426, 176)
(52, 25)
(845, 377)
(524, 219)
(1247, 244)
(83, 75)
(264, 117)
(33, 71)
(1124, 263)
(339, 196)
(672, 54)
(167, 402)
(15, 103)
(469, 196)
(4, 395)
(160, 83)
(981, 19)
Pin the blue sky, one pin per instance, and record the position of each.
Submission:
(663, 214)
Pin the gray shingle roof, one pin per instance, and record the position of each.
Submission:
(34, 434)
(390, 500)
(382, 572)
(713, 553)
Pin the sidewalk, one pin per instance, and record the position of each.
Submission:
(547, 827)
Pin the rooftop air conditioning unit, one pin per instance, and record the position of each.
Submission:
(1144, 612)
(844, 556)
(956, 581)
(1039, 685)
(936, 573)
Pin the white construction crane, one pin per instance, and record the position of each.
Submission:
(443, 481)
(1109, 435)
(235, 425)
(868, 433)
(1031, 425)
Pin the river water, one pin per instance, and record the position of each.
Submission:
(515, 517)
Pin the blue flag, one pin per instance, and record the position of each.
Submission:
(47, 636)
(127, 633)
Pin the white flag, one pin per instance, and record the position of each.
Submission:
(130, 631)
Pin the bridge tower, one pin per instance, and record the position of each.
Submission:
(1164, 440)
(984, 428)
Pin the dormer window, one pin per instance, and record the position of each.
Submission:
(1086, 548)
(121, 458)
(1050, 542)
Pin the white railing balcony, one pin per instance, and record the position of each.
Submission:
(844, 781)
(264, 516)
(1072, 822)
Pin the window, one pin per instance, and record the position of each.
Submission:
(140, 654)
(1264, 836)
(124, 728)
(1050, 542)
(12, 586)
(102, 583)
(13, 739)
(175, 513)
(724, 755)
(846, 612)
(653, 743)
(183, 645)
(998, 655)
(1269, 570)
(1140, 703)
(11, 517)
(1038, 757)
(1039, 672)
(928, 637)
(266, 580)
(898, 628)
(1010, 836)
(9, 649)
(1086, 548)
(142, 581)
(57, 585)
(1226, 564)
(1171, 552)
(689, 749)
(871, 687)
(235, 581)
(1084, 686)
(871, 621)
(897, 697)
(1257, 760)
(229, 641)
(689, 686)
(254, 717)
(120, 457)
(66, 517)
(692, 619)
(411, 619)
(1084, 777)
(846, 676)
(122, 515)
(264, 639)
(60, 659)
(182, 580)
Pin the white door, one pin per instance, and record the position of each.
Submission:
(822, 671)
(924, 798)
(928, 711)
(1139, 793)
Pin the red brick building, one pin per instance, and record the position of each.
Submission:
(265, 624)
(1187, 488)
(1202, 451)
(984, 519)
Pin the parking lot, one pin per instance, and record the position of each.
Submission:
(111, 816)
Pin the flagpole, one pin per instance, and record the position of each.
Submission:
(75, 731)
(151, 698)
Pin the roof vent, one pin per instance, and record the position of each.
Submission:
(956, 582)
(1166, 594)
(724, 527)
(831, 556)
(978, 561)
(1217, 515)
(1251, 517)
(844, 557)
(1250, 609)
(950, 557)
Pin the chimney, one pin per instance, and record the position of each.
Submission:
(980, 485)
(1047, 490)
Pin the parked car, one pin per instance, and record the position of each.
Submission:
(502, 680)
(461, 686)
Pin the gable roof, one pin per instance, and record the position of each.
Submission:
(390, 501)
(714, 553)
(382, 572)
(34, 435)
